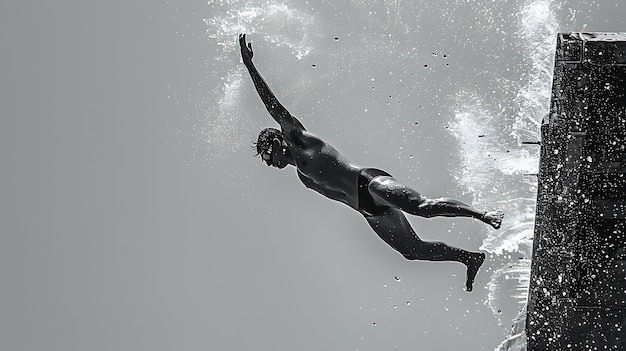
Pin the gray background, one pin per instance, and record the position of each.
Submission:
(134, 216)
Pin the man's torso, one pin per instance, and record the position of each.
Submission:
(322, 168)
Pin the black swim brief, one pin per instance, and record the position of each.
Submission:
(366, 203)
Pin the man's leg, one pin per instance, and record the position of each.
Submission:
(387, 191)
(394, 229)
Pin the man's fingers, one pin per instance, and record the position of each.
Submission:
(242, 42)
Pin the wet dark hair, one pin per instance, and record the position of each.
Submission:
(266, 136)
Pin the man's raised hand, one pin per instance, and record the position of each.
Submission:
(246, 50)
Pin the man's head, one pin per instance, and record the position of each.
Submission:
(272, 148)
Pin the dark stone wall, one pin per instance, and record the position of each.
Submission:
(577, 294)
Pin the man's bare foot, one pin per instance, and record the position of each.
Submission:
(493, 218)
(472, 269)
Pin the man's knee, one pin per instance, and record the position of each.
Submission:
(410, 257)
(421, 252)
(416, 256)
(427, 207)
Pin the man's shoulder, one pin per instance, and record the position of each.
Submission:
(302, 137)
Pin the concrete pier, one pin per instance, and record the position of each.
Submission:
(577, 294)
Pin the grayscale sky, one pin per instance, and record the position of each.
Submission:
(135, 217)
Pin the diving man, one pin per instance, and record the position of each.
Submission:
(377, 195)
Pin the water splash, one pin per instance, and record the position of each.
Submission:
(225, 126)
(220, 124)
(496, 166)
(276, 22)
(517, 338)
(538, 29)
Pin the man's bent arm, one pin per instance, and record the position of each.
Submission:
(273, 106)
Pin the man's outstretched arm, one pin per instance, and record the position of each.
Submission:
(273, 106)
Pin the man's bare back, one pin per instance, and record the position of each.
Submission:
(377, 195)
